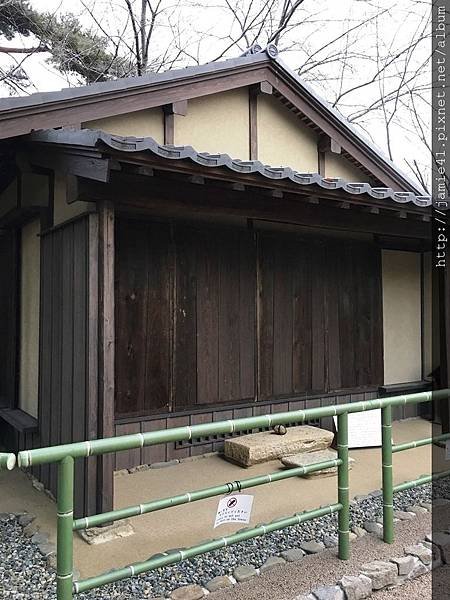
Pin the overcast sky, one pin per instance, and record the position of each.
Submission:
(320, 22)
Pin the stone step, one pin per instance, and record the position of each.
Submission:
(262, 447)
(305, 459)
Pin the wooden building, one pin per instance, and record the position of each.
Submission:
(149, 280)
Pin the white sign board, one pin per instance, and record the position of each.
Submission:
(234, 509)
(447, 450)
(364, 429)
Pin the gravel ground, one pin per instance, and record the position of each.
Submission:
(24, 575)
(287, 581)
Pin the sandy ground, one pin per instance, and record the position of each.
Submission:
(187, 525)
(291, 579)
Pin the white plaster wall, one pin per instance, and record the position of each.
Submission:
(283, 140)
(402, 316)
(61, 210)
(142, 123)
(216, 123)
(338, 166)
(29, 318)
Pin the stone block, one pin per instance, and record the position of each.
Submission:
(373, 527)
(188, 592)
(356, 588)
(26, 519)
(359, 531)
(244, 573)
(419, 550)
(381, 573)
(306, 459)
(312, 547)
(329, 592)
(101, 535)
(405, 564)
(261, 447)
(39, 538)
(46, 549)
(403, 515)
(293, 554)
(218, 583)
(417, 510)
(330, 541)
(271, 562)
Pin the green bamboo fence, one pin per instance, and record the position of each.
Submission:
(65, 454)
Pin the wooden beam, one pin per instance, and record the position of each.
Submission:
(215, 175)
(170, 110)
(177, 108)
(106, 336)
(180, 199)
(89, 166)
(253, 123)
(321, 162)
(265, 87)
(328, 144)
(262, 87)
(169, 128)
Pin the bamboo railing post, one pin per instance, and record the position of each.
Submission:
(388, 490)
(64, 551)
(343, 487)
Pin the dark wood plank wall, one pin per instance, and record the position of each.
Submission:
(219, 316)
(311, 296)
(8, 321)
(185, 310)
(64, 355)
(215, 317)
(143, 315)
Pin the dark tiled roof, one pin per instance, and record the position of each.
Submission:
(91, 138)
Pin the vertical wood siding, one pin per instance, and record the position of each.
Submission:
(8, 319)
(320, 315)
(185, 309)
(213, 317)
(63, 347)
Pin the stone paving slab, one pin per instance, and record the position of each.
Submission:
(262, 447)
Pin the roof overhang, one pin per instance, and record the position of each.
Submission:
(72, 106)
(93, 155)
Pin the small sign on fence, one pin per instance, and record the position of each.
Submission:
(364, 429)
(234, 509)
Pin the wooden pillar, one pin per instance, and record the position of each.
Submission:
(92, 362)
(106, 336)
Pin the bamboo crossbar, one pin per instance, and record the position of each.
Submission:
(407, 485)
(7, 461)
(418, 443)
(164, 560)
(40, 456)
(194, 496)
